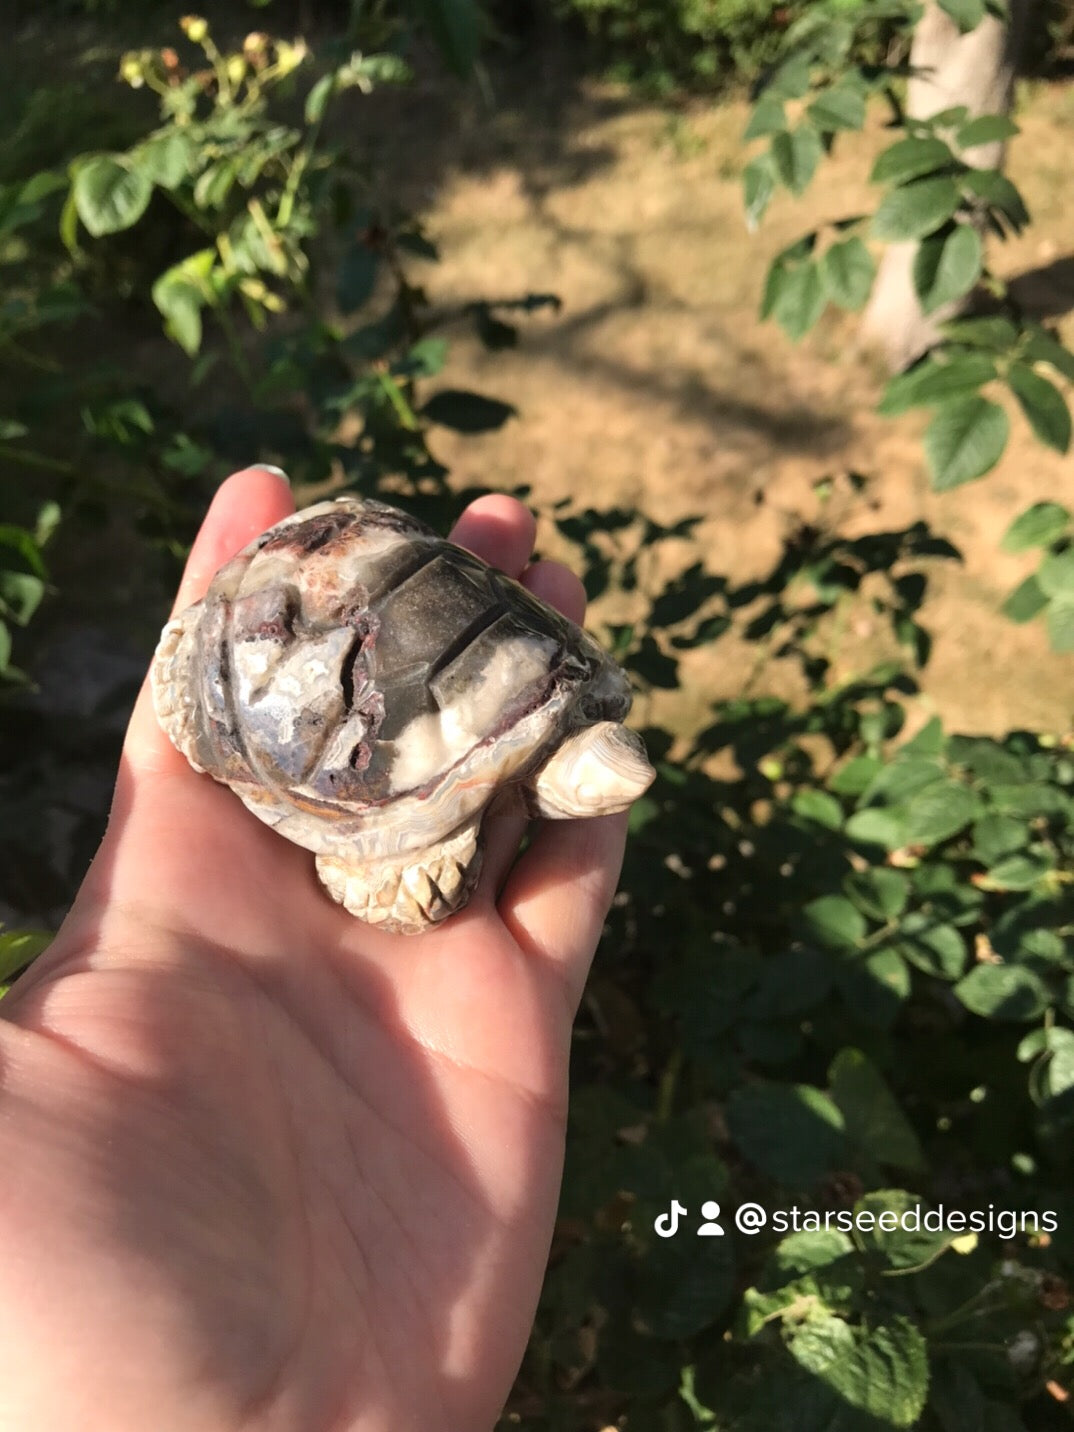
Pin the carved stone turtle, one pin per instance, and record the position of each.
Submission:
(366, 688)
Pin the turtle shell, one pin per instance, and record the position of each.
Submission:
(366, 687)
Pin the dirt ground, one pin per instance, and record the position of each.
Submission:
(656, 384)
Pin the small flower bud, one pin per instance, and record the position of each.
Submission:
(132, 70)
(194, 27)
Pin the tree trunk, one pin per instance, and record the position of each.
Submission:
(976, 70)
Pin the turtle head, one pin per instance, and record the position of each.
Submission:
(599, 770)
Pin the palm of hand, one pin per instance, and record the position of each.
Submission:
(305, 1172)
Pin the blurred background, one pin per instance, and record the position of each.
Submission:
(767, 310)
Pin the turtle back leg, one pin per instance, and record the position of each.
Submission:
(408, 893)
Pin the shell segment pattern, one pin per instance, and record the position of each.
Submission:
(366, 688)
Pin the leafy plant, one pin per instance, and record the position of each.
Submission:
(837, 985)
(698, 43)
(934, 198)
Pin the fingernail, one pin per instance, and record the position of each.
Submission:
(276, 471)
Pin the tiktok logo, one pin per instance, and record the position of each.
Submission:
(667, 1224)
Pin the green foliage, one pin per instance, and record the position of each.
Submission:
(17, 949)
(1050, 590)
(23, 574)
(870, 978)
(933, 198)
(667, 44)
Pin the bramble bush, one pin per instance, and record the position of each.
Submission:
(839, 973)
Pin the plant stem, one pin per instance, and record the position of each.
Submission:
(36, 459)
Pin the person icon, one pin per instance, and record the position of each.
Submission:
(710, 1212)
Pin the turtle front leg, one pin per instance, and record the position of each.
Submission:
(412, 892)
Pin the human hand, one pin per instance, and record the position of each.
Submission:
(266, 1167)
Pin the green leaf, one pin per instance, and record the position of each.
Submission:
(947, 265)
(965, 440)
(835, 1278)
(1025, 602)
(997, 334)
(758, 186)
(69, 222)
(165, 158)
(1060, 624)
(19, 947)
(1041, 347)
(1038, 526)
(110, 194)
(1018, 872)
(875, 987)
(774, 284)
(910, 159)
(181, 307)
(840, 107)
(986, 758)
(180, 292)
(214, 184)
(455, 26)
(931, 382)
(792, 1132)
(356, 276)
(795, 155)
(938, 950)
(996, 835)
(790, 982)
(835, 922)
(800, 300)
(1031, 800)
(880, 893)
(916, 209)
(48, 519)
(967, 14)
(986, 129)
(882, 1371)
(819, 807)
(998, 193)
(467, 412)
(906, 1244)
(1003, 992)
(848, 270)
(855, 776)
(884, 828)
(20, 595)
(1043, 404)
(25, 544)
(318, 97)
(791, 80)
(768, 117)
(940, 811)
(427, 357)
(871, 1115)
(803, 1252)
(1056, 574)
